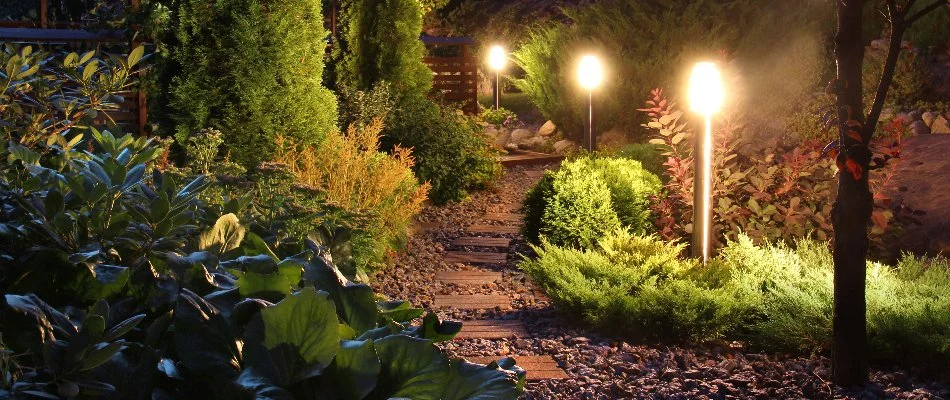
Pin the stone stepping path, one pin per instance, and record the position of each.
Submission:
(504, 217)
(473, 301)
(471, 257)
(482, 242)
(492, 329)
(496, 229)
(537, 367)
(468, 277)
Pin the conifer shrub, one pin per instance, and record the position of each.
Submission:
(379, 41)
(588, 198)
(773, 297)
(251, 70)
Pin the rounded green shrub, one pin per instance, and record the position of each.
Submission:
(252, 70)
(588, 198)
(449, 149)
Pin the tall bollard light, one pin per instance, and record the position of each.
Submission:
(706, 96)
(496, 61)
(591, 74)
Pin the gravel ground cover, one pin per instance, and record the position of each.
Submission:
(601, 366)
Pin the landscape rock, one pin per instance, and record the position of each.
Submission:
(563, 146)
(919, 128)
(519, 136)
(940, 126)
(928, 118)
(547, 129)
(511, 146)
(502, 138)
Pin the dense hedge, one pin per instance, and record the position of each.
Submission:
(588, 198)
(772, 296)
(251, 70)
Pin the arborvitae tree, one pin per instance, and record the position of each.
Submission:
(251, 69)
(379, 41)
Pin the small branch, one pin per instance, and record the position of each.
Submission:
(887, 76)
(924, 11)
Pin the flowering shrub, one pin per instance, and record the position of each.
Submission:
(784, 194)
(500, 118)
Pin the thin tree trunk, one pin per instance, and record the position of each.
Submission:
(853, 206)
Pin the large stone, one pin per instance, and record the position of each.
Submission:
(940, 126)
(502, 138)
(547, 129)
(511, 147)
(521, 136)
(563, 146)
(928, 118)
(534, 142)
(919, 128)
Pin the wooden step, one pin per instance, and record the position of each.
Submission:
(473, 301)
(468, 277)
(505, 217)
(482, 242)
(496, 229)
(537, 367)
(474, 257)
(505, 208)
(534, 174)
(528, 158)
(492, 329)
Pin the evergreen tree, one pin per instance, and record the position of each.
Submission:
(253, 70)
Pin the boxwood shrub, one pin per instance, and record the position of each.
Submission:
(588, 198)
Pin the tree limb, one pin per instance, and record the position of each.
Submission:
(924, 11)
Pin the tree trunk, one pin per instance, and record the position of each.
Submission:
(852, 209)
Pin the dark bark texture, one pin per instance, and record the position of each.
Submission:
(853, 206)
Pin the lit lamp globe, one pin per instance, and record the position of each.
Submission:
(497, 57)
(590, 73)
(706, 95)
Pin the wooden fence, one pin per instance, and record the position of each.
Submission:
(455, 70)
(132, 114)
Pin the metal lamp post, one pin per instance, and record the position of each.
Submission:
(591, 74)
(706, 97)
(496, 60)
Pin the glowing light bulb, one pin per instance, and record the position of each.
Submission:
(706, 93)
(497, 58)
(590, 73)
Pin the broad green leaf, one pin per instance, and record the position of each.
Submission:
(203, 339)
(307, 320)
(470, 381)
(226, 235)
(285, 278)
(355, 302)
(439, 331)
(100, 355)
(136, 55)
(412, 368)
(355, 369)
(254, 245)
